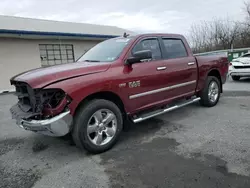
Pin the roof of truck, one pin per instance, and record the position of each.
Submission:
(159, 34)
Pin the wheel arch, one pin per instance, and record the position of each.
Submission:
(216, 73)
(107, 95)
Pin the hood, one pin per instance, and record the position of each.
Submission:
(41, 77)
(244, 60)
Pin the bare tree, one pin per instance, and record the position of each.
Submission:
(247, 8)
(221, 34)
(213, 35)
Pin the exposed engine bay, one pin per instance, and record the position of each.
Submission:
(38, 103)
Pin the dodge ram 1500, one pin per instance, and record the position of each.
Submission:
(123, 79)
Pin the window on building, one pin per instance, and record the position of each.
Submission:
(53, 54)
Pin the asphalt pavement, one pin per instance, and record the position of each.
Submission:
(191, 147)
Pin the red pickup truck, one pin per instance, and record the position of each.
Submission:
(123, 79)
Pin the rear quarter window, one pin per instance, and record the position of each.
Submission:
(174, 48)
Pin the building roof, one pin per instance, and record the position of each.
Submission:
(29, 26)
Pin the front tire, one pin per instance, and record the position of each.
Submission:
(210, 94)
(97, 126)
(236, 78)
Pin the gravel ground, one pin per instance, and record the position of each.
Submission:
(190, 147)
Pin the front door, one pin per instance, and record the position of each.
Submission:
(145, 79)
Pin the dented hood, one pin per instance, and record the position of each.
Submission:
(41, 77)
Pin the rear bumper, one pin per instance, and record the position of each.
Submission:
(57, 126)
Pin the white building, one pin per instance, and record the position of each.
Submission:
(30, 43)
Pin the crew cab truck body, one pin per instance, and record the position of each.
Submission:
(124, 79)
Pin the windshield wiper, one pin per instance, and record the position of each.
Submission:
(91, 60)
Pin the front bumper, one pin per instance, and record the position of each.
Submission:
(57, 126)
(245, 74)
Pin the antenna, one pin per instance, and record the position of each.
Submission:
(125, 35)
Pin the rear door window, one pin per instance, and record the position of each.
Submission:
(174, 48)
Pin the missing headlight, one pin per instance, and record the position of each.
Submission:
(50, 98)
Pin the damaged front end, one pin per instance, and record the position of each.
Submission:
(43, 111)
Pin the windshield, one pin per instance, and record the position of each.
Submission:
(108, 50)
(246, 55)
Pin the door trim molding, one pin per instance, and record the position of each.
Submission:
(161, 89)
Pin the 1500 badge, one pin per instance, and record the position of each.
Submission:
(134, 84)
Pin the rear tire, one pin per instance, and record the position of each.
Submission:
(236, 78)
(90, 131)
(210, 94)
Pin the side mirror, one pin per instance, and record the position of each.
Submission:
(138, 56)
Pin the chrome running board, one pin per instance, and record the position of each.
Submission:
(165, 110)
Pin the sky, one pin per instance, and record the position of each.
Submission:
(169, 16)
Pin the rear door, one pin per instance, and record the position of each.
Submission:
(181, 68)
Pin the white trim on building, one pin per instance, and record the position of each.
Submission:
(12, 25)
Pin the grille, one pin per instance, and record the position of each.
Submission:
(242, 67)
(24, 93)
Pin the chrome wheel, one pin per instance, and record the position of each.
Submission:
(102, 127)
(213, 91)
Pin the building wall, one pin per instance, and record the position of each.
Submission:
(18, 55)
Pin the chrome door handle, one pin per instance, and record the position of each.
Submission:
(190, 63)
(161, 68)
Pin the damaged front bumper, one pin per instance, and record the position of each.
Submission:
(56, 126)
